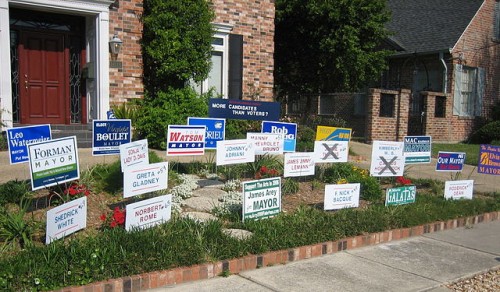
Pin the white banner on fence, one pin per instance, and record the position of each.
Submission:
(235, 151)
(66, 219)
(134, 153)
(148, 213)
(387, 159)
(141, 179)
(299, 164)
(266, 143)
(458, 189)
(341, 196)
(331, 151)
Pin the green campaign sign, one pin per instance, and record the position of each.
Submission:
(261, 198)
(401, 195)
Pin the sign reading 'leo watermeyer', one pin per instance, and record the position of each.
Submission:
(53, 162)
(185, 140)
(19, 137)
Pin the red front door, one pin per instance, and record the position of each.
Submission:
(43, 78)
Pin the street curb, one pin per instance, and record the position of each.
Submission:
(204, 271)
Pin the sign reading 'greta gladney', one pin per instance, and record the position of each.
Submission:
(243, 109)
(108, 135)
(141, 179)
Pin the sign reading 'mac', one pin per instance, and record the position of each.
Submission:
(185, 140)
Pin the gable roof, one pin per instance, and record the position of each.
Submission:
(425, 26)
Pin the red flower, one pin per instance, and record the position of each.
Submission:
(103, 217)
(403, 181)
(263, 169)
(113, 224)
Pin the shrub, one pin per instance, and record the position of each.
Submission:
(13, 191)
(305, 139)
(487, 133)
(238, 129)
(289, 186)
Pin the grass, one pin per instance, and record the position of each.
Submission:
(471, 150)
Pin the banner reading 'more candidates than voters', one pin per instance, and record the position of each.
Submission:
(53, 162)
(108, 135)
(18, 138)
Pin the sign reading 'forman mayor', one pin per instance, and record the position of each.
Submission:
(53, 162)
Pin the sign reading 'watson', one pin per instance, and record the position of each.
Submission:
(109, 135)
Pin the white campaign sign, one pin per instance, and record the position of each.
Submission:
(141, 179)
(299, 164)
(134, 153)
(458, 189)
(267, 143)
(148, 213)
(341, 196)
(331, 151)
(66, 219)
(387, 159)
(235, 151)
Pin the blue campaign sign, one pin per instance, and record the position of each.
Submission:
(243, 109)
(417, 149)
(18, 138)
(108, 135)
(289, 130)
(450, 161)
(215, 130)
(489, 159)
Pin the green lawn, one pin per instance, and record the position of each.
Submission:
(471, 150)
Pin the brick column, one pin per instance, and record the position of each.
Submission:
(402, 114)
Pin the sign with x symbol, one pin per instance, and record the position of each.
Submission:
(387, 159)
(331, 151)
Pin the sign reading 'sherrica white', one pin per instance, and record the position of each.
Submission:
(141, 179)
(331, 151)
(458, 189)
(261, 198)
(134, 153)
(341, 196)
(299, 164)
(266, 143)
(387, 159)
(53, 162)
(235, 151)
(108, 135)
(148, 213)
(66, 219)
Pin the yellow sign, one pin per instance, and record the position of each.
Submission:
(324, 133)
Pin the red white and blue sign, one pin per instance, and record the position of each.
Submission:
(489, 159)
(18, 138)
(450, 161)
(108, 135)
(215, 130)
(185, 140)
(288, 130)
(243, 109)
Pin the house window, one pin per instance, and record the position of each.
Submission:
(360, 104)
(496, 24)
(387, 105)
(440, 107)
(468, 91)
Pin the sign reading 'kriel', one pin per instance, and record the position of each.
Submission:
(134, 153)
(148, 213)
(66, 219)
(458, 189)
(261, 198)
(341, 196)
(53, 162)
(387, 159)
(331, 151)
(235, 151)
(215, 129)
(266, 143)
(489, 159)
(19, 137)
(185, 140)
(299, 164)
(108, 135)
(288, 130)
(141, 179)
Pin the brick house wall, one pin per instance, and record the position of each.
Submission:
(252, 19)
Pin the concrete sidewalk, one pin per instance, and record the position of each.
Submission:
(423, 263)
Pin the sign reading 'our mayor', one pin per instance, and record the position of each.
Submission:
(53, 162)
(19, 137)
(108, 135)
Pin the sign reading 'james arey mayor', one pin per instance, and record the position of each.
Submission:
(53, 162)
(141, 179)
(108, 135)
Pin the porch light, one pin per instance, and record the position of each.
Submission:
(115, 45)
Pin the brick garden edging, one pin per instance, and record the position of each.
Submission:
(180, 275)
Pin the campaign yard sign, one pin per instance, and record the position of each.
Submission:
(141, 179)
(66, 219)
(458, 189)
(261, 198)
(243, 109)
(148, 213)
(235, 151)
(266, 143)
(450, 161)
(331, 151)
(185, 140)
(53, 162)
(299, 164)
(108, 135)
(324, 133)
(18, 138)
(134, 153)
(215, 130)
(489, 159)
(400, 196)
(288, 130)
(417, 149)
(387, 159)
(341, 196)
